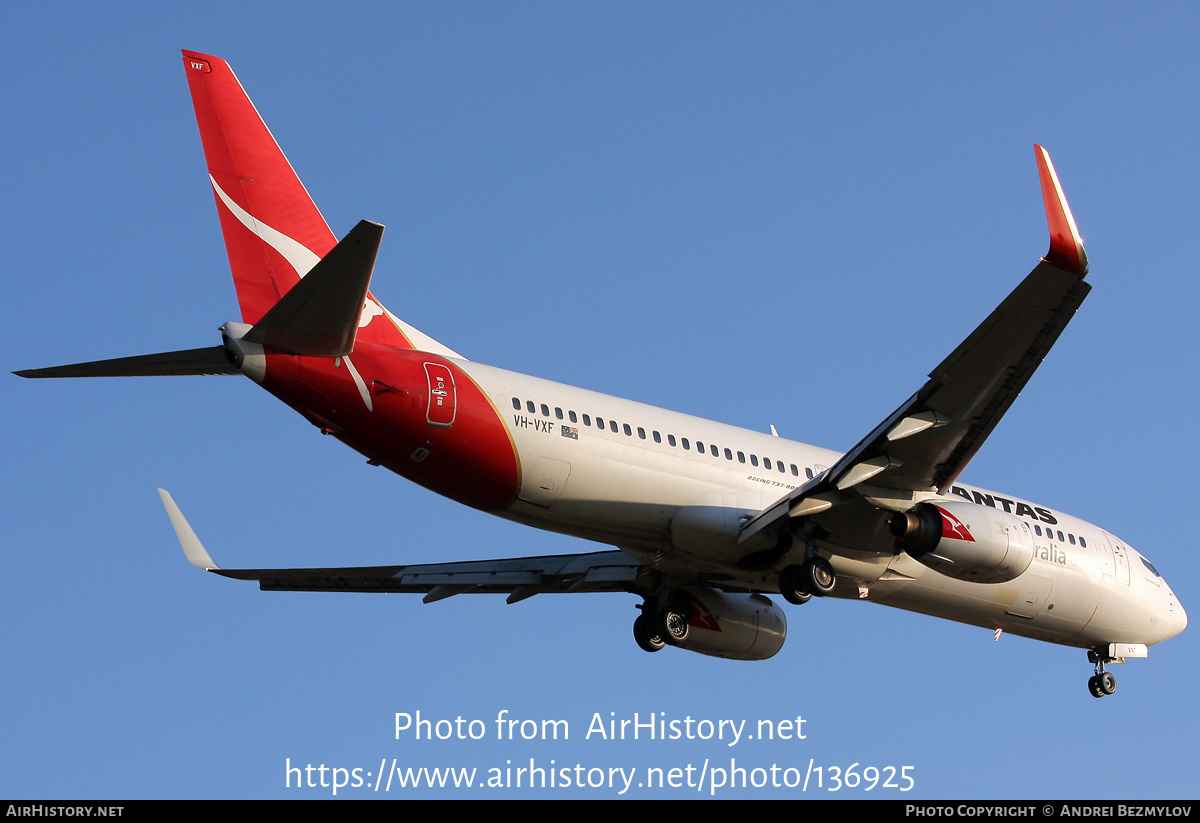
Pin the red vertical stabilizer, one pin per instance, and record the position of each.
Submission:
(274, 233)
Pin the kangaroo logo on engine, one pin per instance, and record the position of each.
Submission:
(953, 527)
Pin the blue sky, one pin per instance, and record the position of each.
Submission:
(778, 213)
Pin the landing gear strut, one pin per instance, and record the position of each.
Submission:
(798, 584)
(1102, 682)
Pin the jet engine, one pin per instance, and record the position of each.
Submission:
(966, 541)
(734, 626)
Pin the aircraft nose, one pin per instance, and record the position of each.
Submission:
(1180, 617)
(1171, 616)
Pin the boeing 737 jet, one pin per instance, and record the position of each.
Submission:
(703, 521)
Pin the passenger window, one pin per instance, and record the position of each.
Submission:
(517, 404)
(686, 445)
(1060, 537)
(529, 405)
(741, 457)
(628, 431)
(728, 454)
(795, 471)
(1082, 542)
(754, 460)
(600, 422)
(671, 439)
(1037, 530)
(1071, 537)
(714, 450)
(558, 412)
(587, 420)
(612, 424)
(808, 473)
(766, 463)
(545, 410)
(657, 437)
(699, 447)
(641, 433)
(571, 415)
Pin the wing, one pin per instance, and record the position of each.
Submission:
(519, 577)
(921, 447)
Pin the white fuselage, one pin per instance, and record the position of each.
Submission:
(620, 472)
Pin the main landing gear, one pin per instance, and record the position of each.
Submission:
(1102, 682)
(645, 636)
(798, 584)
(659, 626)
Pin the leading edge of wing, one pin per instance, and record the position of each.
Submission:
(921, 447)
(518, 577)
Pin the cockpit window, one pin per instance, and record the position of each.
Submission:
(1150, 566)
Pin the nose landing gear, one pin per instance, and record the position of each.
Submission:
(1102, 682)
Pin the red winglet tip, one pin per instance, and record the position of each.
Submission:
(1066, 247)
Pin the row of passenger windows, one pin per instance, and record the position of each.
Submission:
(715, 451)
(683, 442)
(1061, 539)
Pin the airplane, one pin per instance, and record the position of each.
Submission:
(704, 520)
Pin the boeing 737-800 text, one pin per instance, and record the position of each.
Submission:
(707, 519)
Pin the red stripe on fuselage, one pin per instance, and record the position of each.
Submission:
(473, 461)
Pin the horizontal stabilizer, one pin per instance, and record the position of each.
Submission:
(319, 316)
(211, 360)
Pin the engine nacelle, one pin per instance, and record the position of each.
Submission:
(734, 626)
(966, 541)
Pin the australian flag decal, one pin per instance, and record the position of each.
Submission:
(571, 432)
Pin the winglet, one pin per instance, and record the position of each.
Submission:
(1066, 247)
(192, 547)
